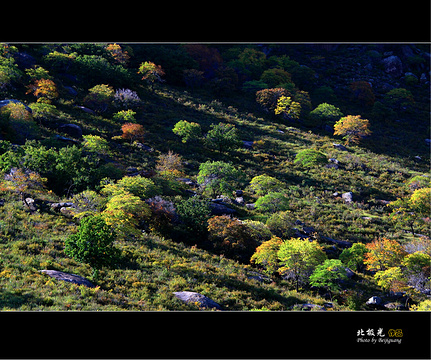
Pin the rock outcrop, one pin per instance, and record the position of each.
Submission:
(196, 298)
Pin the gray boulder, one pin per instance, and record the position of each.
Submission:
(347, 197)
(393, 66)
(193, 297)
(62, 276)
(374, 301)
(339, 147)
(220, 208)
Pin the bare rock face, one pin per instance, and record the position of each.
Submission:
(62, 276)
(193, 297)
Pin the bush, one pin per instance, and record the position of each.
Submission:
(263, 184)
(126, 98)
(325, 113)
(272, 202)
(99, 97)
(93, 243)
(310, 157)
(223, 137)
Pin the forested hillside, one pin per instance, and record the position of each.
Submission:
(214, 176)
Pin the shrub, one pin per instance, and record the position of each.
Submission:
(272, 202)
(93, 243)
(96, 144)
(354, 257)
(328, 274)
(127, 116)
(326, 113)
(194, 213)
(310, 157)
(99, 97)
(151, 73)
(223, 137)
(288, 108)
(263, 184)
(126, 98)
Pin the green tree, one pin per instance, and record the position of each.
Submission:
(299, 258)
(189, 131)
(194, 213)
(125, 212)
(218, 177)
(93, 243)
(263, 184)
(353, 257)
(96, 144)
(310, 157)
(412, 210)
(326, 113)
(223, 137)
(328, 275)
(272, 202)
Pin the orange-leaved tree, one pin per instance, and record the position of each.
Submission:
(384, 254)
(132, 132)
(352, 128)
(44, 89)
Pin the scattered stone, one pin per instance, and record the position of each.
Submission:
(202, 301)
(248, 144)
(144, 147)
(30, 202)
(62, 276)
(348, 197)
(187, 181)
(250, 206)
(374, 301)
(85, 109)
(220, 208)
(239, 200)
(308, 307)
(65, 139)
(339, 147)
(58, 206)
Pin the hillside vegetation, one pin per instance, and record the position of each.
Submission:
(264, 177)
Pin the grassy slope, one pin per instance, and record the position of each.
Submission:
(150, 269)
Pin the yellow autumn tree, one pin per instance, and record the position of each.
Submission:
(352, 128)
